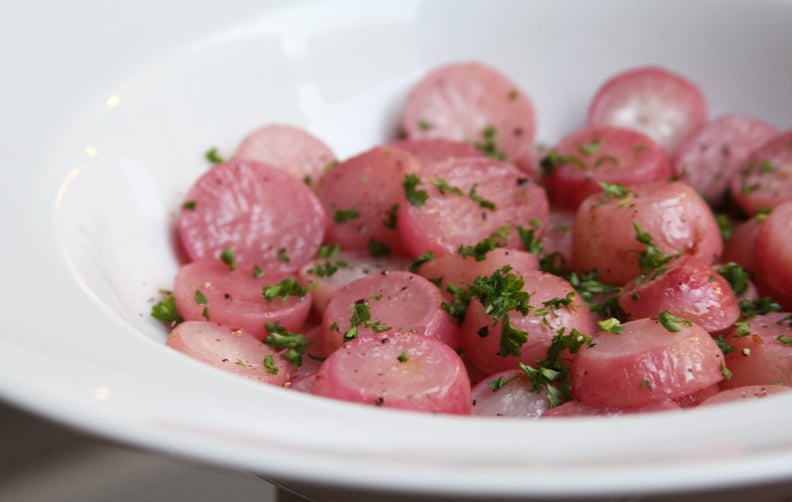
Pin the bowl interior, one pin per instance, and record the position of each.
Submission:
(342, 69)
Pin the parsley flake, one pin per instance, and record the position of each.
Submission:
(227, 257)
(285, 288)
(190, 205)
(280, 338)
(165, 310)
(414, 196)
(424, 258)
(213, 156)
(269, 364)
(500, 383)
(378, 249)
(344, 215)
(489, 146)
(200, 298)
(672, 323)
(481, 201)
(611, 325)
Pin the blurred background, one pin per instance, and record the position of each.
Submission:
(42, 461)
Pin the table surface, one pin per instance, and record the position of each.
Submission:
(42, 461)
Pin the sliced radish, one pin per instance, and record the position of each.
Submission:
(665, 106)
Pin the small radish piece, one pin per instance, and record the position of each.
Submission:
(397, 370)
(231, 350)
(208, 290)
(677, 219)
(697, 397)
(578, 409)
(688, 288)
(647, 361)
(292, 149)
(433, 150)
(765, 179)
(389, 301)
(709, 158)
(361, 197)
(461, 202)
(508, 394)
(265, 215)
(472, 103)
(742, 244)
(339, 269)
(747, 392)
(762, 352)
(774, 254)
(665, 106)
(576, 166)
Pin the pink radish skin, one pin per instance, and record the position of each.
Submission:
(229, 349)
(774, 254)
(460, 101)
(689, 288)
(677, 218)
(434, 150)
(578, 409)
(235, 298)
(397, 370)
(370, 185)
(759, 357)
(447, 220)
(481, 334)
(709, 158)
(665, 106)
(264, 214)
(514, 398)
(587, 157)
(765, 179)
(747, 392)
(292, 149)
(645, 363)
(740, 248)
(398, 301)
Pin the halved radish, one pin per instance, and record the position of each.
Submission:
(664, 105)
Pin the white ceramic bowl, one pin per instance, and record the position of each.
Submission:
(107, 108)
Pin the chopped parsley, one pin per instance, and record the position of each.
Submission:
(424, 125)
(645, 384)
(403, 357)
(213, 156)
(783, 338)
(165, 310)
(285, 288)
(489, 145)
(499, 383)
(615, 190)
(723, 345)
(724, 226)
(736, 276)
(200, 298)
(672, 323)
(269, 364)
(205, 313)
(553, 373)
(481, 201)
(227, 257)
(190, 205)
(283, 256)
(257, 271)
(611, 325)
(480, 249)
(590, 148)
(652, 260)
(727, 374)
(361, 316)
(414, 196)
(760, 306)
(378, 249)
(392, 217)
(553, 160)
(280, 338)
(530, 242)
(443, 186)
(344, 215)
(424, 258)
(601, 298)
